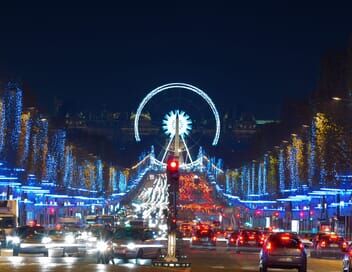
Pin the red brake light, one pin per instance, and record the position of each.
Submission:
(232, 240)
(285, 238)
(344, 245)
(350, 252)
(268, 246)
(214, 238)
(301, 246)
(323, 244)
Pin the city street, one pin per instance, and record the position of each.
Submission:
(201, 259)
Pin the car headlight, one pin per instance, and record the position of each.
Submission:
(70, 239)
(102, 246)
(46, 240)
(131, 246)
(16, 240)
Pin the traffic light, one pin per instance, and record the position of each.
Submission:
(172, 165)
(173, 173)
(173, 224)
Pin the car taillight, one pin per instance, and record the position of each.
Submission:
(194, 238)
(268, 246)
(214, 239)
(232, 240)
(323, 244)
(344, 245)
(301, 246)
(350, 252)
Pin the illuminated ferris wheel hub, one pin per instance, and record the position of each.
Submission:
(169, 123)
(184, 127)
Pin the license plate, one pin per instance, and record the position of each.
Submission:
(285, 259)
(204, 239)
(252, 242)
(121, 251)
(334, 245)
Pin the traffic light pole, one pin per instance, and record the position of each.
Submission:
(172, 170)
(171, 245)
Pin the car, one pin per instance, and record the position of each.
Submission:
(232, 239)
(203, 237)
(220, 234)
(2, 238)
(129, 243)
(347, 260)
(249, 240)
(186, 230)
(330, 245)
(67, 241)
(283, 250)
(30, 240)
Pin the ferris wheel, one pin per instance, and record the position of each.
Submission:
(184, 120)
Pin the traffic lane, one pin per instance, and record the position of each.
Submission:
(218, 259)
(73, 264)
(221, 259)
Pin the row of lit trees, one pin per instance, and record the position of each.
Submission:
(313, 158)
(28, 142)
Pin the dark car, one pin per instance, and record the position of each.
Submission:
(203, 237)
(283, 250)
(30, 239)
(232, 239)
(2, 238)
(329, 245)
(347, 261)
(249, 240)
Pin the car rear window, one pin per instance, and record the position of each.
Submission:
(248, 233)
(284, 241)
(204, 233)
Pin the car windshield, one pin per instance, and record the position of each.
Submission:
(129, 234)
(55, 232)
(30, 231)
(7, 222)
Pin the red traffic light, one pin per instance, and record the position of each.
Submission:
(172, 165)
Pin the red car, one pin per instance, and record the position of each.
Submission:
(232, 239)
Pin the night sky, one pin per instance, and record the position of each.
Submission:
(251, 55)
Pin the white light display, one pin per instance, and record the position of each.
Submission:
(169, 123)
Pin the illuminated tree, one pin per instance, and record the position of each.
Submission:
(2, 126)
(23, 145)
(273, 174)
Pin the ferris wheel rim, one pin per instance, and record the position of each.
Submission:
(171, 86)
